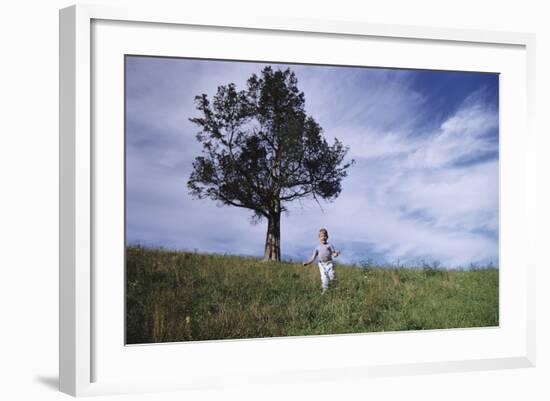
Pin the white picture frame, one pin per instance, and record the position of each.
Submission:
(86, 332)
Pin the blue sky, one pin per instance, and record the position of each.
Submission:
(424, 185)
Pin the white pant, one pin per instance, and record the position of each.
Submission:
(327, 273)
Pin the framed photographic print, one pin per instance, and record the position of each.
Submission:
(281, 200)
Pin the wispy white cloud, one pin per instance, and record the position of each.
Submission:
(461, 137)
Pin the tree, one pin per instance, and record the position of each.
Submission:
(261, 151)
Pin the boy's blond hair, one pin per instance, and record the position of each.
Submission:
(323, 230)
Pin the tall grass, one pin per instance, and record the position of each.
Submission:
(186, 296)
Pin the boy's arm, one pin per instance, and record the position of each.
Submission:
(335, 253)
(311, 259)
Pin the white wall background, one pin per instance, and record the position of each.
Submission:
(29, 198)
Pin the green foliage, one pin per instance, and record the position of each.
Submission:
(260, 149)
(185, 296)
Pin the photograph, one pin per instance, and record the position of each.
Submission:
(267, 199)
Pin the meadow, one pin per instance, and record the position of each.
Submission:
(188, 296)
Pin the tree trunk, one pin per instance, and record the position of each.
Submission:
(273, 238)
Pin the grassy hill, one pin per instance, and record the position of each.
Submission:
(185, 296)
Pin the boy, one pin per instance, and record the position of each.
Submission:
(325, 252)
